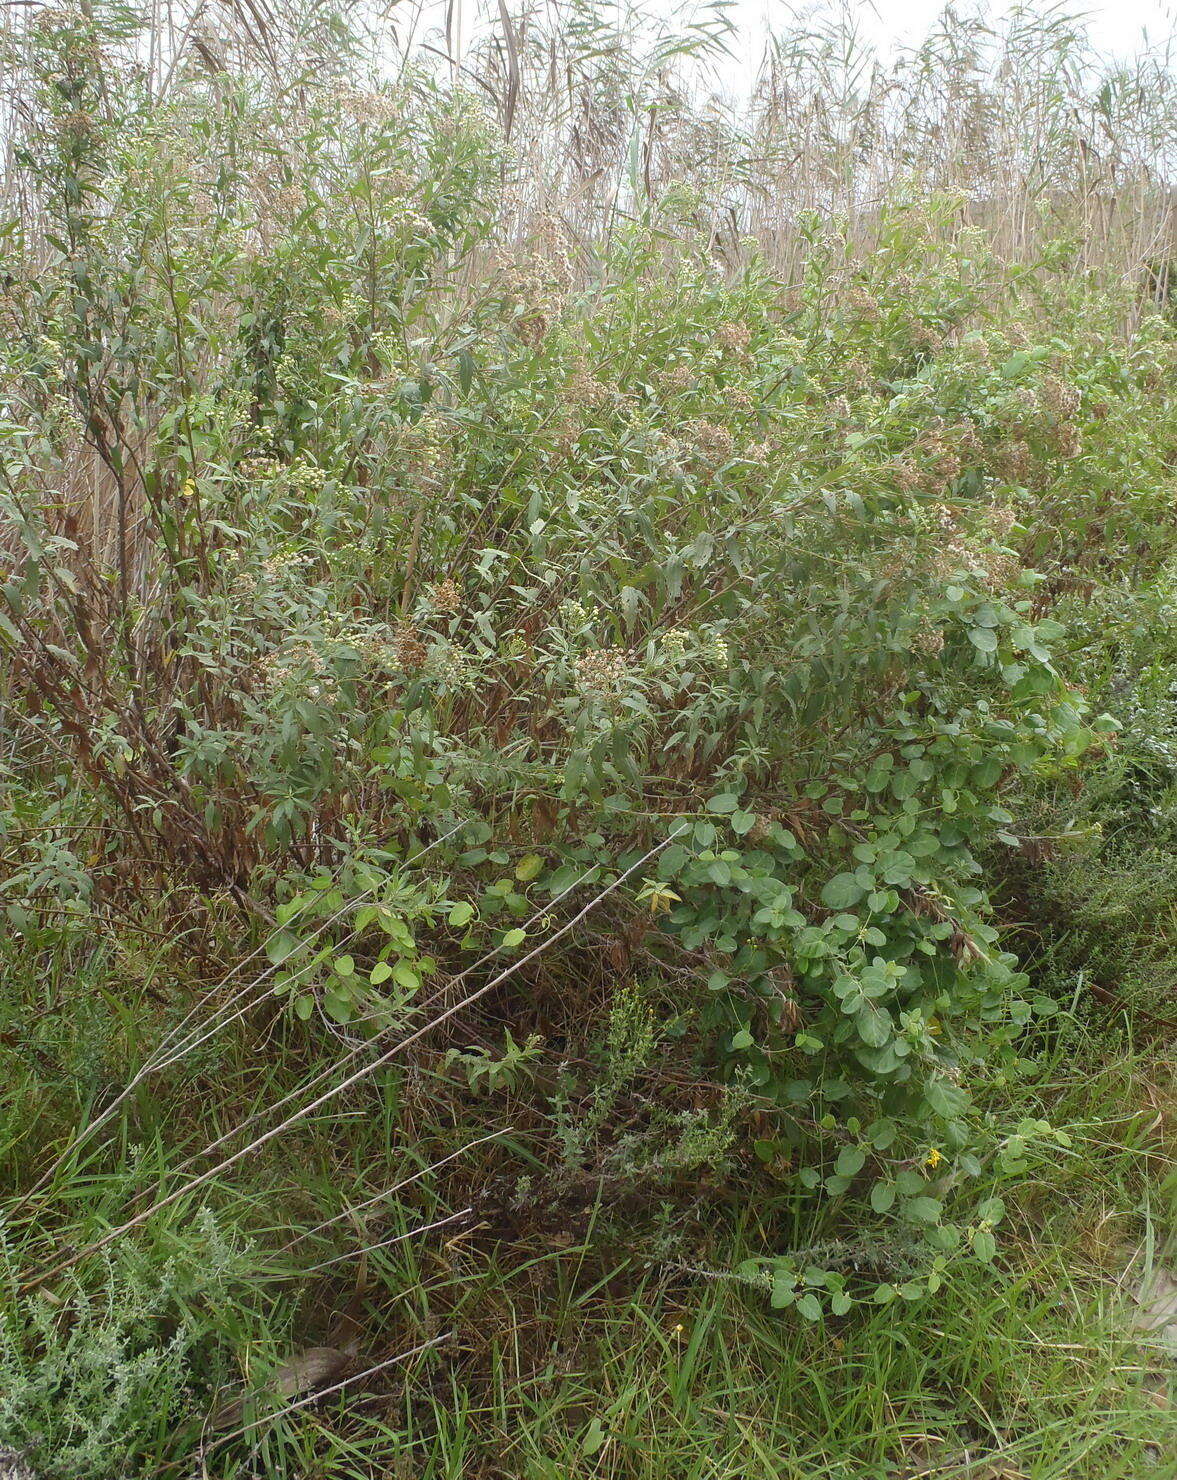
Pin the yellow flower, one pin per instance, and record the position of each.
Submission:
(933, 1158)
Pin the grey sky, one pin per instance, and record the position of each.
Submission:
(1116, 28)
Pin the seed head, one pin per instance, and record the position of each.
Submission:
(409, 652)
(734, 337)
(446, 596)
(601, 670)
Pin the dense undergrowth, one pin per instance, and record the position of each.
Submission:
(585, 831)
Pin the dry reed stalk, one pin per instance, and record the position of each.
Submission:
(1033, 133)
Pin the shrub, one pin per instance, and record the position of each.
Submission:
(97, 1374)
(431, 600)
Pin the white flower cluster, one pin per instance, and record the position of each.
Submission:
(711, 650)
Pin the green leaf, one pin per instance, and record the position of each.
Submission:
(282, 946)
(984, 1245)
(742, 1039)
(840, 892)
(528, 867)
(461, 914)
(882, 1197)
(513, 938)
(851, 1160)
(564, 878)
(923, 1210)
(337, 1008)
(465, 369)
(287, 911)
(874, 1025)
(628, 599)
(883, 1133)
(594, 1438)
(984, 639)
(945, 1098)
(809, 1306)
(380, 973)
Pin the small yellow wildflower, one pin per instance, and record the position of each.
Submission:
(933, 1158)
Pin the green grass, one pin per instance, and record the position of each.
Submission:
(600, 1347)
(1028, 1367)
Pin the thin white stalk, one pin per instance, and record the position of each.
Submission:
(353, 1079)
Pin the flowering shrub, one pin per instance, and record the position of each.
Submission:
(343, 572)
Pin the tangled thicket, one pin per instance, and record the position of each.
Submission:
(388, 587)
